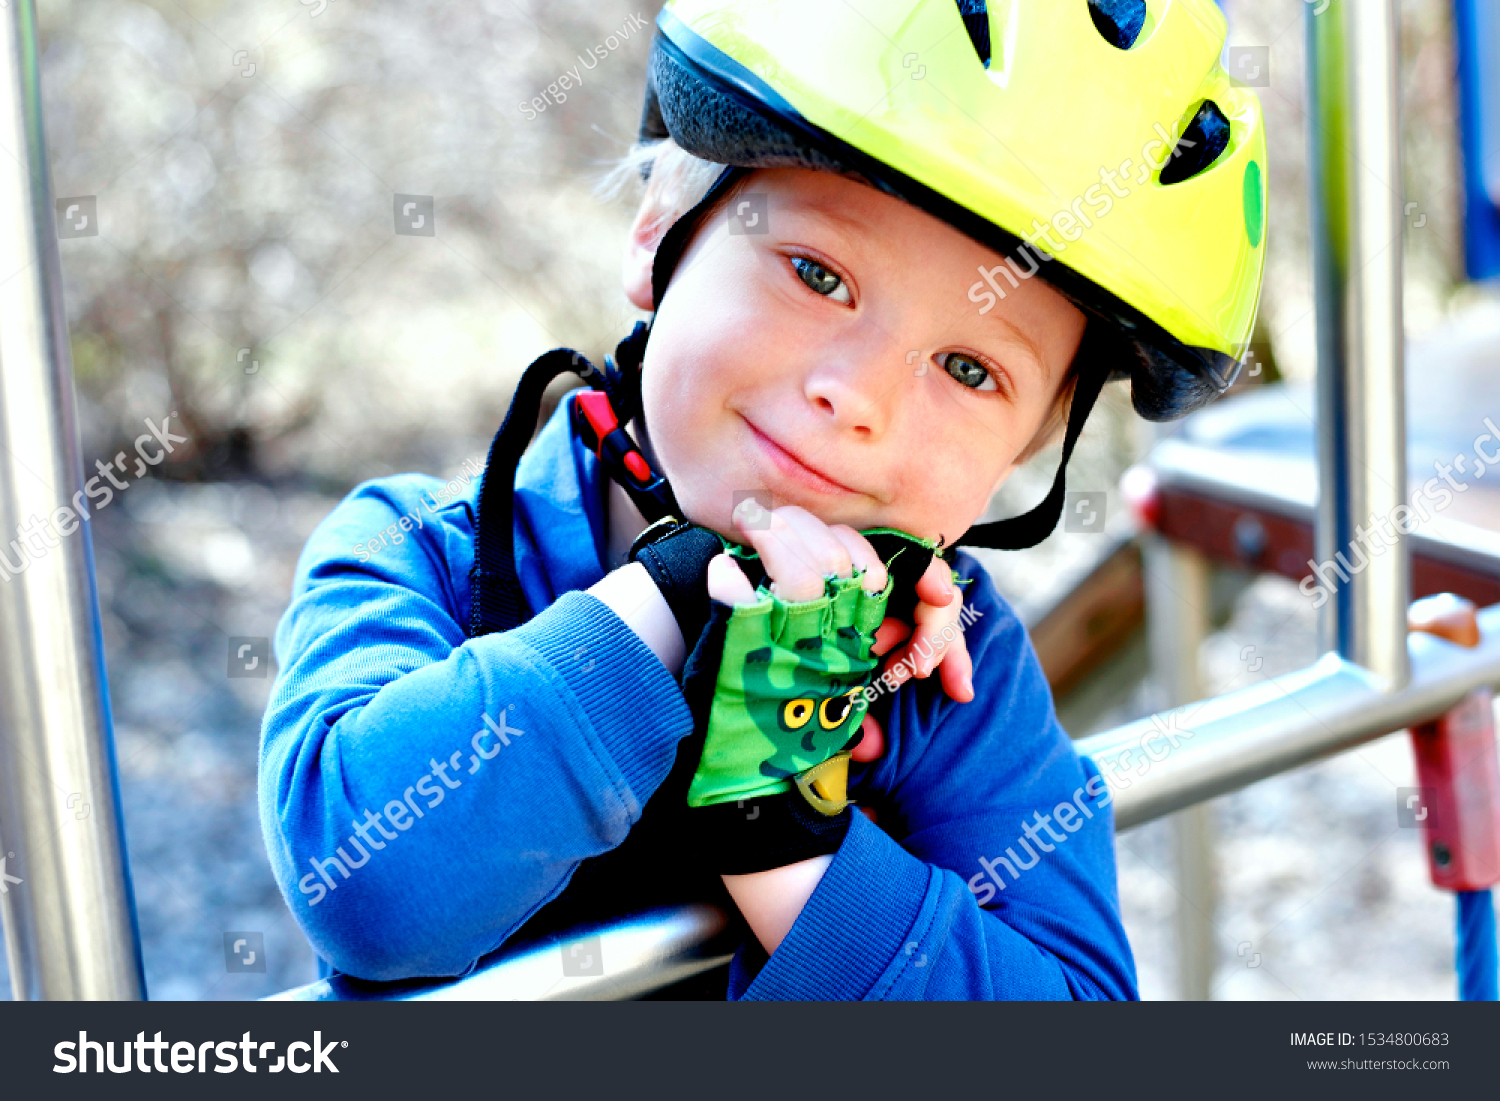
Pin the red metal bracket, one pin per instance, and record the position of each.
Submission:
(1458, 767)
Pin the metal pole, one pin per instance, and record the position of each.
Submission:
(1357, 219)
(1164, 763)
(624, 959)
(65, 897)
(1177, 599)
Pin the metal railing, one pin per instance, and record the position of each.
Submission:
(634, 956)
(1168, 762)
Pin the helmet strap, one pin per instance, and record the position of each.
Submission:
(674, 242)
(1030, 528)
(621, 377)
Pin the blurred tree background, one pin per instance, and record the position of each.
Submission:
(245, 158)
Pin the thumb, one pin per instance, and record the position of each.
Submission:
(727, 583)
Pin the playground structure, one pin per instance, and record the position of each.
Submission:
(71, 933)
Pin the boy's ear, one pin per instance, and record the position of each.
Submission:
(646, 233)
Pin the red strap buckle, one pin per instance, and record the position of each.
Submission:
(600, 420)
(599, 415)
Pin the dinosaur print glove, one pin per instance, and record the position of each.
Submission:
(776, 692)
(777, 689)
(788, 695)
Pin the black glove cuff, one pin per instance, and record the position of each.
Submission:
(754, 835)
(908, 561)
(676, 555)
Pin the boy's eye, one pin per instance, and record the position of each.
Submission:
(820, 279)
(968, 371)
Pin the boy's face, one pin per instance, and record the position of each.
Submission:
(828, 356)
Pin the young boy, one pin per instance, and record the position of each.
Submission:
(480, 738)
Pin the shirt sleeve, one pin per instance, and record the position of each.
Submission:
(996, 879)
(421, 793)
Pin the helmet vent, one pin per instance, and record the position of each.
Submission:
(976, 17)
(1205, 138)
(1119, 21)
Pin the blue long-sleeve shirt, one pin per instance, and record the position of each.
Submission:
(426, 797)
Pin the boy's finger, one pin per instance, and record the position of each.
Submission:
(863, 556)
(954, 667)
(935, 587)
(928, 635)
(872, 745)
(791, 568)
(827, 554)
(888, 634)
(956, 671)
(727, 582)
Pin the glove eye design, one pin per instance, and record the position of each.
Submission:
(835, 709)
(796, 713)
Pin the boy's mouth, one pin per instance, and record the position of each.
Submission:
(795, 468)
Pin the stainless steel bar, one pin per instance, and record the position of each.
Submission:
(1354, 132)
(632, 957)
(1166, 762)
(65, 897)
(1177, 620)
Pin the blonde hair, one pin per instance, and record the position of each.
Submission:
(672, 181)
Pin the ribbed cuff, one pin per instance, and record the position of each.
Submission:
(636, 706)
(856, 922)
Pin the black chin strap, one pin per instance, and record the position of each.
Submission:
(1030, 528)
(496, 600)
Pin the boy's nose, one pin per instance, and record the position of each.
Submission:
(855, 394)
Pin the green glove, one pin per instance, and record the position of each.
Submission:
(776, 691)
(789, 691)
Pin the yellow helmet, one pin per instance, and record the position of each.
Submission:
(1098, 141)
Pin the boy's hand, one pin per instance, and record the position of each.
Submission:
(939, 604)
(779, 686)
(777, 676)
(798, 551)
